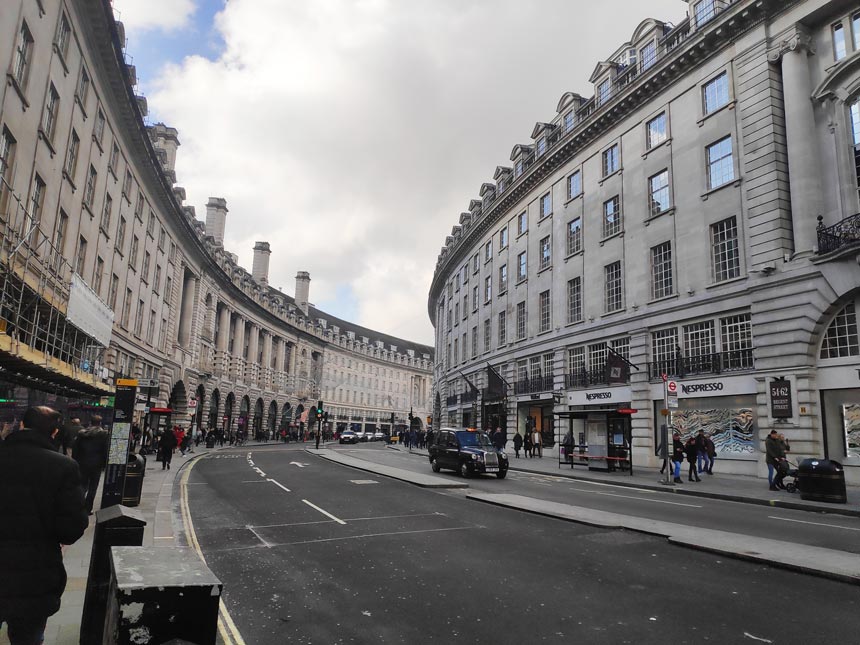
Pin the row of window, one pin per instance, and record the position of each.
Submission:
(725, 265)
(840, 40)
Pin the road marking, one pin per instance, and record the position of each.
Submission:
(363, 481)
(395, 517)
(279, 485)
(353, 537)
(297, 463)
(641, 499)
(253, 481)
(266, 543)
(326, 513)
(832, 526)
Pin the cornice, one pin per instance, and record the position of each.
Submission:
(733, 21)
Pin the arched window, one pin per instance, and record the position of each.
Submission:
(840, 339)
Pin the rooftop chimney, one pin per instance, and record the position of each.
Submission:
(167, 139)
(303, 287)
(260, 267)
(216, 218)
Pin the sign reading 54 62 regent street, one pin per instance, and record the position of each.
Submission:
(780, 398)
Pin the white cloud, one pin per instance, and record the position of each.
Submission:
(164, 15)
(350, 135)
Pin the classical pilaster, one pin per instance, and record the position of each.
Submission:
(792, 52)
(238, 348)
(253, 366)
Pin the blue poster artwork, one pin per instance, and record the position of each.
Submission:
(732, 430)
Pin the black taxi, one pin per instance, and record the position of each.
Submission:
(467, 451)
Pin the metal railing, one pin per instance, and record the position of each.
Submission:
(587, 378)
(531, 385)
(681, 366)
(842, 234)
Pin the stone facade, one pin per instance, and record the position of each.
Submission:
(88, 190)
(696, 216)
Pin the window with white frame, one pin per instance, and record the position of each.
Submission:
(604, 90)
(611, 217)
(545, 303)
(476, 263)
(503, 328)
(64, 36)
(99, 128)
(541, 146)
(522, 267)
(839, 48)
(521, 320)
(574, 236)
(83, 89)
(574, 184)
(855, 30)
(546, 205)
(661, 271)
(106, 214)
(576, 360)
(597, 354)
(522, 223)
(120, 236)
(704, 11)
(518, 168)
(545, 253)
(503, 238)
(488, 251)
(7, 163)
(52, 105)
(648, 55)
(23, 53)
(456, 313)
(534, 368)
(574, 300)
(658, 192)
(113, 164)
(475, 341)
(613, 290)
(611, 160)
(715, 93)
(488, 288)
(721, 165)
(465, 306)
(655, 130)
(456, 350)
(72, 155)
(725, 255)
(569, 121)
(548, 360)
(488, 335)
(522, 370)
(503, 278)
(699, 338)
(737, 341)
(841, 338)
(475, 298)
(664, 348)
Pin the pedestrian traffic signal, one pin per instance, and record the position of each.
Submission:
(318, 413)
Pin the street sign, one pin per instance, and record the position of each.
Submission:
(148, 383)
(671, 394)
(627, 410)
(672, 387)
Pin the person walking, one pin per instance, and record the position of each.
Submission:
(711, 449)
(499, 439)
(537, 443)
(774, 456)
(702, 459)
(518, 443)
(91, 452)
(692, 450)
(529, 445)
(70, 433)
(677, 456)
(41, 508)
(166, 446)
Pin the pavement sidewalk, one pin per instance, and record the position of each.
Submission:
(735, 488)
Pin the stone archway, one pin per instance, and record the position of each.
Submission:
(272, 421)
(258, 420)
(198, 411)
(229, 404)
(214, 402)
(178, 402)
(244, 410)
(285, 418)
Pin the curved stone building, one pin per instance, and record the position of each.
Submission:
(105, 272)
(695, 219)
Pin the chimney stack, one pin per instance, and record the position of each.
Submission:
(260, 267)
(216, 218)
(303, 287)
(165, 138)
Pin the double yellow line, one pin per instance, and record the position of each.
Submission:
(226, 627)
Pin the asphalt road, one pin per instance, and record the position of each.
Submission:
(801, 527)
(314, 552)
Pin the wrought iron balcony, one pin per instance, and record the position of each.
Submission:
(469, 396)
(681, 366)
(451, 400)
(840, 235)
(586, 378)
(532, 385)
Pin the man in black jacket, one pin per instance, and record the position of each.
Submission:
(41, 508)
(91, 452)
(70, 434)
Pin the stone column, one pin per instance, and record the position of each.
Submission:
(253, 367)
(186, 317)
(803, 159)
(238, 345)
(266, 371)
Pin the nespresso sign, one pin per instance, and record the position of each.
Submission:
(694, 388)
(591, 396)
(597, 397)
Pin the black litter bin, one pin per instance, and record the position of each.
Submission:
(133, 486)
(822, 480)
(210, 440)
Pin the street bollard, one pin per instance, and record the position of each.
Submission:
(160, 594)
(115, 526)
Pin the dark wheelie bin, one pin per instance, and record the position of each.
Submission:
(822, 480)
(210, 440)
(133, 487)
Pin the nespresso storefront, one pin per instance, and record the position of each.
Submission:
(599, 423)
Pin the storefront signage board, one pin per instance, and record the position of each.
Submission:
(780, 398)
(599, 397)
(699, 388)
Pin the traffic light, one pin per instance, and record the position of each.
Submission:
(318, 411)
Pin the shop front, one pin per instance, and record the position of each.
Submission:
(535, 413)
(839, 389)
(597, 427)
(724, 408)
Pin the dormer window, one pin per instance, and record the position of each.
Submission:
(541, 146)
(704, 11)
(568, 121)
(648, 55)
(603, 91)
(518, 168)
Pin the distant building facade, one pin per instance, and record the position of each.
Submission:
(104, 272)
(697, 217)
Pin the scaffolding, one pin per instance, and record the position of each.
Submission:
(36, 338)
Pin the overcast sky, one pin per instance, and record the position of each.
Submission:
(352, 134)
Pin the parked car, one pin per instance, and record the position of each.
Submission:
(361, 434)
(348, 436)
(469, 452)
(379, 435)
